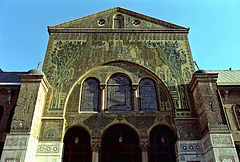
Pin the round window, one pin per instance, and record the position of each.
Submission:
(101, 22)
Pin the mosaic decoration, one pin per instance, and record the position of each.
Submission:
(51, 130)
(63, 56)
(187, 130)
(169, 53)
(141, 122)
(71, 55)
(98, 121)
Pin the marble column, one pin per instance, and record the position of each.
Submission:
(135, 97)
(95, 144)
(144, 145)
(102, 104)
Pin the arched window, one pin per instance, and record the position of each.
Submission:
(119, 21)
(119, 93)
(90, 95)
(148, 95)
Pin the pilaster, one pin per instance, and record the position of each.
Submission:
(21, 144)
(187, 150)
(216, 137)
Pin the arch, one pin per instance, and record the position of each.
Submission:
(77, 147)
(1, 112)
(119, 93)
(118, 21)
(148, 95)
(148, 71)
(161, 147)
(120, 143)
(90, 95)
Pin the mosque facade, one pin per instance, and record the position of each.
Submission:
(119, 86)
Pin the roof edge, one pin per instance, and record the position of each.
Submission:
(132, 13)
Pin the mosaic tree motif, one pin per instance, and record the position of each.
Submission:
(63, 56)
(148, 95)
(90, 95)
(119, 95)
(174, 57)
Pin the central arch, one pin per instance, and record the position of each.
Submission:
(120, 143)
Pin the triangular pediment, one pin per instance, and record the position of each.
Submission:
(105, 19)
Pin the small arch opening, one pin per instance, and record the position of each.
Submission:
(119, 21)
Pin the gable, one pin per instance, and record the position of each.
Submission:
(105, 19)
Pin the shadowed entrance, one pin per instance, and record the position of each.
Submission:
(77, 146)
(120, 144)
(161, 145)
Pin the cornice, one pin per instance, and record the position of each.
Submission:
(204, 77)
(108, 30)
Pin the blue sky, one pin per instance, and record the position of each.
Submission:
(214, 27)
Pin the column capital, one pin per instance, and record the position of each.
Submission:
(144, 144)
(102, 86)
(135, 86)
(96, 144)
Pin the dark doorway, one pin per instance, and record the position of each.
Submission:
(161, 145)
(77, 146)
(120, 144)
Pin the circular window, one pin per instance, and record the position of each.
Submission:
(136, 22)
(101, 22)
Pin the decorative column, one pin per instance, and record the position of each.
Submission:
(218, 144)
(102, 104)
(135, 97)
(144, 145)
(95, 144)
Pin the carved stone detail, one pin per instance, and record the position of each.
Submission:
(144, 144)
(222, 140)
(16, 142)
(191, 147)
(96, 144)
(48, 148)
